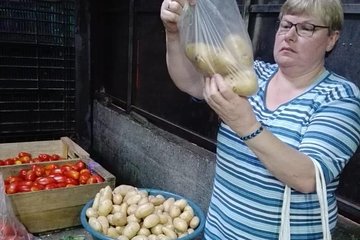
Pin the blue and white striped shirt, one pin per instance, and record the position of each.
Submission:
(323, 123)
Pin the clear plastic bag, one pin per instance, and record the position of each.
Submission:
(215, 40)
(10, 227)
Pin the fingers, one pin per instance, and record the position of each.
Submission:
(216, 89)
(170, 14)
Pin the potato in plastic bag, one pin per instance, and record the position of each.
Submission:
(215, 40)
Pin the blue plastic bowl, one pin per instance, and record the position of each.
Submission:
(197, 210)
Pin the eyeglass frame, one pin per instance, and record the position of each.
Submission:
(296, 28)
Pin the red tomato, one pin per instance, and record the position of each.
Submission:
(45, 180)
(50, 167)
(98, 178)
(56, 171)
(72, 181)
(23, 154)
(25, 183)
(65, 168)
(18, 162)
(22, 173)
(59, 178)
(35, 160)
(44, 157)
(37, 187)
(25, 159)
(84, 178)
(51, 186)
(85, 171)
(79, 165)
(91, 180)
(23, 188)
(70, 185)
(30, 175)
(54, 157)
(12, 188)
(39, 171)
(2, 162)
(62, 184)
(11, 179)
(72, 174)
(9, 161)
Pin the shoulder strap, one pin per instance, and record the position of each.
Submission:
(285, 233)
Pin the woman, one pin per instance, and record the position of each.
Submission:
(301, 113)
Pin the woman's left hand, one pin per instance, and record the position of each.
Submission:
(234, 110)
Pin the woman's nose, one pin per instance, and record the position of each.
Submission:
(291, 34)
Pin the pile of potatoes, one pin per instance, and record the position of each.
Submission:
(127, 213)
(233, 60)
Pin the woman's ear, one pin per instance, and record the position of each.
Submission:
(333, 38)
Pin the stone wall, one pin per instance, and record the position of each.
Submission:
(140, 154)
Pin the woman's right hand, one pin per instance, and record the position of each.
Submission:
(170, 13)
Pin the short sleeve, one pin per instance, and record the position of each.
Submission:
(333, 134)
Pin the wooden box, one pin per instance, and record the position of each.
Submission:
(64, 147)
(59, 208)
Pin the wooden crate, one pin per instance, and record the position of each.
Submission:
(59, 208)
(64, 147)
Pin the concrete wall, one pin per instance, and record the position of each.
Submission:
(140, 154)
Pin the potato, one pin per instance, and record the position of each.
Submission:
(151, 221)
(169, 233)
(174, 211)
(123, 189)
(144, 210)
(140, 237)
(119, 219)
(104, 224)
(117, 198)
(105, 207)
(180, 225)
(156, 200)
(112, 232)
(96, 201)
(105, 193)
(95, 224)
(210, 59)
(187, 215)
(131, 229)
(240, 48)
(122, 237)
(133, 199)
(144, 231)
(202, 56)
(157, 230)
(181, 203)
(91, 212)
(116, 208)
(194, 222)
(167, 203)
(224, 63)
(137, 215)
(243, 82)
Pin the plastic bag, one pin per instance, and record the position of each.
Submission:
(215, 40)
(10, 227)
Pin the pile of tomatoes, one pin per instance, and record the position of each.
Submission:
(25, 157)
(44, 177)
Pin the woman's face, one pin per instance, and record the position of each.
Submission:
(303, 52)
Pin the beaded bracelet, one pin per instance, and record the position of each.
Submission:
(252, 135)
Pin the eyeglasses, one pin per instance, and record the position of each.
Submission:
(302, 29)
